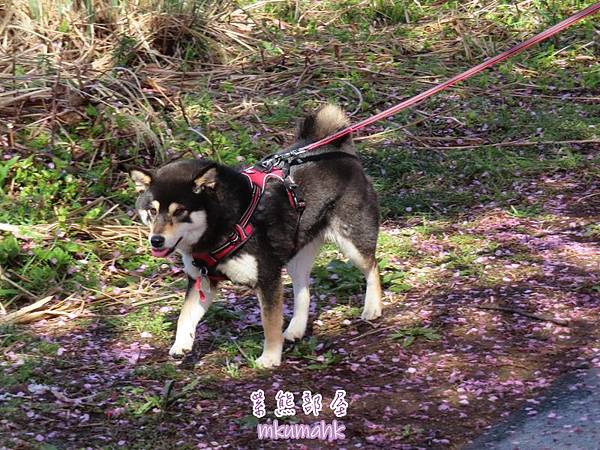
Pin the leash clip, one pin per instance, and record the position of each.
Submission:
(269, 162)
(201, 266)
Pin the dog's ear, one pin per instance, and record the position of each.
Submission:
(206, 180)
(141, 178)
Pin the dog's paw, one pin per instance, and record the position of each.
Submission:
(268, 361)
(371, 311)
(294, 331)
(179, 350)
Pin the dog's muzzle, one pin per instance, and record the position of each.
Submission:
(158, 250)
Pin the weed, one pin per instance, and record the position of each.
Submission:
(11, 334)
(137, 402)
(525, 211)
(248, 347)
(463, 259)
(124, 52)
(324, 361)
(47, 348)
(393, 279)
(68, 137)
(410, 430)
(340, 278)
(409, 335)
(307, 348)
(23, 373)
(157, 371)
(399, 246)
(345, 311)
(219, 314)
(149, 403)
(145, 319)
(248, 421)
(593, 230)
(231, 369)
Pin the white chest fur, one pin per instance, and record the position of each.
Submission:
(239, 269)
(191, 270)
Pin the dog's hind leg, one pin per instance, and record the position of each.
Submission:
(299, 270)
(271, 312)
(372, 308)
(361, 252)
(192, 311)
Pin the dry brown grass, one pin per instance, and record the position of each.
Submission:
(98, 35)
(58, 56)
(135, 57)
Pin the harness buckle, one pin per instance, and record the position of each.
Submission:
(238, 234)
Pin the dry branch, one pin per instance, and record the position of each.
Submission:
(520, 312)
(25, 313)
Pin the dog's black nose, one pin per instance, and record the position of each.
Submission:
(157, 241)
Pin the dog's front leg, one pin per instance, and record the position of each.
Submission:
(192, 311)
(271, 312)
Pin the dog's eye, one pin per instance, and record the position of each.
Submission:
(179, 212)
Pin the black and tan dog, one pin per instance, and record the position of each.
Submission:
(191, 206)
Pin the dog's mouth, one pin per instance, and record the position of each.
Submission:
(164, 252)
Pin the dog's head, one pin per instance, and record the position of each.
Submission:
(173, 203)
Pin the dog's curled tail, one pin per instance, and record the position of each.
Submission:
(326, 121)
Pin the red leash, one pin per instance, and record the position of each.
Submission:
(463, 76)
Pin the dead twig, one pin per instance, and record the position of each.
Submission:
(368, 333)
(358, 95)
(509, 144)
(5, 278)
(585, 197)
(520, 312)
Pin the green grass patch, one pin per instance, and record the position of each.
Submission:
(409, 335)
(144, 319)
(26, 372)
(338, 278)
(162, 371)
(307, 349)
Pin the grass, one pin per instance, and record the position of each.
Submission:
(31, 354)
(157, 371)
(309, 349)
(144, 320)
(409, 335)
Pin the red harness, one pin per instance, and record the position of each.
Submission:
(243, 230)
